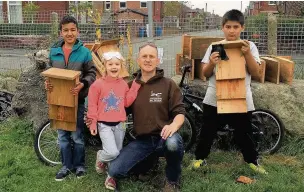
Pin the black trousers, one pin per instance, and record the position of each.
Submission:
(241, 122)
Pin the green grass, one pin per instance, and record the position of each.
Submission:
(20, 170)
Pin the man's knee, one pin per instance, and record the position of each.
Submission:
(115, 169)
(174, 143)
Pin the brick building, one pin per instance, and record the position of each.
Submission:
(13, 11)
(257, 7)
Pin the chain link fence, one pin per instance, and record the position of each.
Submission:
(33, 31)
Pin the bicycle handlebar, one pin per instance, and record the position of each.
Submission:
(184, 69)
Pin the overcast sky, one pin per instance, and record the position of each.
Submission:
(220, 7)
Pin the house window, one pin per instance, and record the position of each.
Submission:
(14, 9)
(143, 4)
(122, 4)
(272, 3)
(107, 5)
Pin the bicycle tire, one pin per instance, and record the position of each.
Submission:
(272, 136)
(189, 121)
(51, 158)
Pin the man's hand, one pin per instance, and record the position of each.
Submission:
(48, 86)
(246, 47)
(214, 58)
(77, 89)
(169, 130)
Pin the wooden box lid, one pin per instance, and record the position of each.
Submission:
(61, 73)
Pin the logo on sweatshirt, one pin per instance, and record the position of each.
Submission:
(112, 102)
(155, 97)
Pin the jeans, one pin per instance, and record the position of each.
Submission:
(139, 155)
(73, 157)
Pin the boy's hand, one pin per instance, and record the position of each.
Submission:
(47, 85)
(246, 47)
(77, 89)
(214, 58)
(168, 130)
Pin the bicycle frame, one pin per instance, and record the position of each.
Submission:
(185, 88)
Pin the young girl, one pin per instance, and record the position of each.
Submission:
(107, 99)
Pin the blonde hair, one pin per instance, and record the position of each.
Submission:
(121, 59)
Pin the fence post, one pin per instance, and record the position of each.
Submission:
(54, 27)
(272, 34)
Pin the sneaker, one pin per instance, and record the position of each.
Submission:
(195, 164)
(80, 172)
(100, 167)
(257, 168)
(170, 187)
(62, 174)
(110, 183)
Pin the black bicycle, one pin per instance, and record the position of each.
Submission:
(268, 129)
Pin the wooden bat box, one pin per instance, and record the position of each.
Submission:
(62, 103)
(230, 79)
(97, 50)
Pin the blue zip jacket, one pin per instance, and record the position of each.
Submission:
(80, 59)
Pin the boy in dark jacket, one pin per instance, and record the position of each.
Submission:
(70, 54)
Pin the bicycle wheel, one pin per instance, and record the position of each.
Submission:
(268, 131)
(47, 145)
(188, 132)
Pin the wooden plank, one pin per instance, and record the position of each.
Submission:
(234, 68)
(199, 45)
(68, 126)
(89, 45)
(177, 64)
(198, 70)
(272, 72)
(232, 106)
(186, 44)
(99, 65)
(61, 113)
(261, 77)
(286, 70)
(60, 94)
(285, 57)
(230, 89)
(230, 44)
(61, 73)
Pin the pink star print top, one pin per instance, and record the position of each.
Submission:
(108, 98)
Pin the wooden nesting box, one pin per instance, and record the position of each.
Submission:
(195, 47)
(230, 79)
(98, 48)
(62, 103)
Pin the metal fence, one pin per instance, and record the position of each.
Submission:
(33, 31)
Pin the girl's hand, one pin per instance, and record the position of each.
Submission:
(93, 131)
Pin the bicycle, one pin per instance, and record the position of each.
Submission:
(268, 129)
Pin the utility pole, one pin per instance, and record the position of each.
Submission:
(241, 6)
(150, 19)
